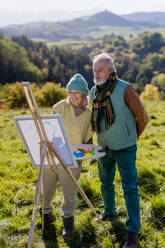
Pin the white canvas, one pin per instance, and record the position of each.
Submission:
(56, 134)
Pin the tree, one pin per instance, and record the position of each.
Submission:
(132, 72)
(144, 76)
(1, 36)
(153, 42)
(156, 61)
(15, 64)
(122, 64)
(147, 43)
(119, 41)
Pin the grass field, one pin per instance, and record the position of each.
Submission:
(18, 180)
(125, 32)
(122, 31)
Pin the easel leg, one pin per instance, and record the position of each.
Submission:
(43, 197)
(42, 190)
(80, 190)
(37, 196)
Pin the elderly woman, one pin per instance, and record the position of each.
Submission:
(76, 117)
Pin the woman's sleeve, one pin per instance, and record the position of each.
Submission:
(89, 133)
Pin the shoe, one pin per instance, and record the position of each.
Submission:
(48, 216)
(131, 240)
(105, 217)
(68, 226)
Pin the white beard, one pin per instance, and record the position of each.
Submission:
(100, 82)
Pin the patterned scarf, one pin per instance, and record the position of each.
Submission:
(102, 106)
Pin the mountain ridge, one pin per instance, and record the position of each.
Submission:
(155, 17)
(70, 29)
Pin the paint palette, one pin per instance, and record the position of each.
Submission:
(87, 151)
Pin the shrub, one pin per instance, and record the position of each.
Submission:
(13, 95)
(17, 97)
(150, 93)
(50, 94)
(158, 81)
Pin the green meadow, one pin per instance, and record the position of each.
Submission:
(125, 32)
(18, 180)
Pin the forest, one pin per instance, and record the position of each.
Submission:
(139, 60)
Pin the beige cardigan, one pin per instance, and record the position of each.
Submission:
(78, 128)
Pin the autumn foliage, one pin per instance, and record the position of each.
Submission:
(150, 93)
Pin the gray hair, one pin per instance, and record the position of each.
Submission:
(106, 57)
(84, 103)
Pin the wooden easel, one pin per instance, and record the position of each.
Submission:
(48, 151)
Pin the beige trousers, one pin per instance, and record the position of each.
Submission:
(69, 190)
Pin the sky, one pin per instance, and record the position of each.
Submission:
(115, 6)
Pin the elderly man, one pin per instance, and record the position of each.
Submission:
(118, 118)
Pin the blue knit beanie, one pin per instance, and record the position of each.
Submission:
(78, 83)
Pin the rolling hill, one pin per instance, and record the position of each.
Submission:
(153, 17)
(76, 29)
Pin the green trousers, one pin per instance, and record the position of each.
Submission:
(126, 161)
